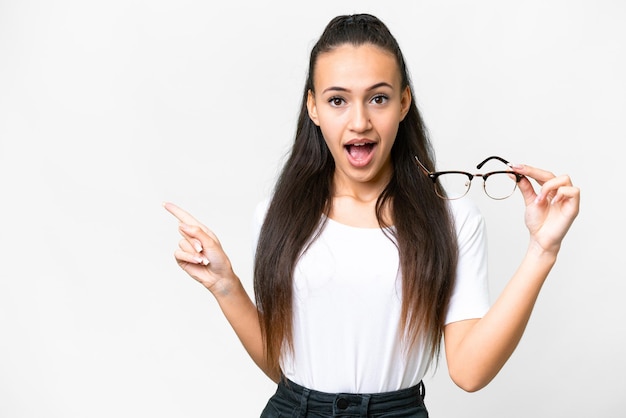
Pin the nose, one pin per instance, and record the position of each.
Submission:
(360, 118)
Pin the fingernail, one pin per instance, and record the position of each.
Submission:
(199, 260)
(197, 246)
(205, 261)
(516, 166)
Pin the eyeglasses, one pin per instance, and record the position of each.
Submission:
(453, 185)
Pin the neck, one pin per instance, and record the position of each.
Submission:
(354, 203)
(362, 191)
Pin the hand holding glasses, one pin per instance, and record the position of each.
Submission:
(453, 185)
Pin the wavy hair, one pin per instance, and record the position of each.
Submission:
(422, 225)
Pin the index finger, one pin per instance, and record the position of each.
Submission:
(180, 214)
(537, 174)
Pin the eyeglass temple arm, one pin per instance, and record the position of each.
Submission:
(422, 165)
(493, 157)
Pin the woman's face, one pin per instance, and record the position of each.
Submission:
(358, 104)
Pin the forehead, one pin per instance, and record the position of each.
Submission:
(352, 66)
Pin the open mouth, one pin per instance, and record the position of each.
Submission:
(360, 151)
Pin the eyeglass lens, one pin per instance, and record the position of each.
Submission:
(499, 185)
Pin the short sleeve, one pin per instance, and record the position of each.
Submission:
(257, 221)
(470, 296)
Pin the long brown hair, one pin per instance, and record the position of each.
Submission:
(422, 225)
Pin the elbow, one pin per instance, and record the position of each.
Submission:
(470, 381)
(470, 387)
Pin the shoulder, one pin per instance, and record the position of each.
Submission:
(467, 217)
(260, 210)
(258, 216)
(463, 209)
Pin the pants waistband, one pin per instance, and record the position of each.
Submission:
(350, 404)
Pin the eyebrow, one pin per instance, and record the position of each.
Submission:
(375, 86)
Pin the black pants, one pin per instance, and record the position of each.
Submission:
(294, 401)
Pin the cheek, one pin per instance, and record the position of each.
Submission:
(333, 142)
(388, 129)
(331, 130)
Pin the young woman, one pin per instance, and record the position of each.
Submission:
(362, 264)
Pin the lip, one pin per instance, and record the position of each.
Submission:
(359, 141)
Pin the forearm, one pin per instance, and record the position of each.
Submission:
(242, 315)
(475, 359)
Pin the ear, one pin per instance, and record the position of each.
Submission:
(312, 107)
(405, 102)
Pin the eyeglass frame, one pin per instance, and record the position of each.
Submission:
(435, 175)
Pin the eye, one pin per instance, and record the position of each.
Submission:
(380, 99)
(336, 101)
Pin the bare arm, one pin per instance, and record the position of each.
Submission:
(477, 349)
(200, 254)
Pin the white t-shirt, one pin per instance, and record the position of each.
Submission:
(347, 301)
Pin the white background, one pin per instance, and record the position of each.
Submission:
(107, 109)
